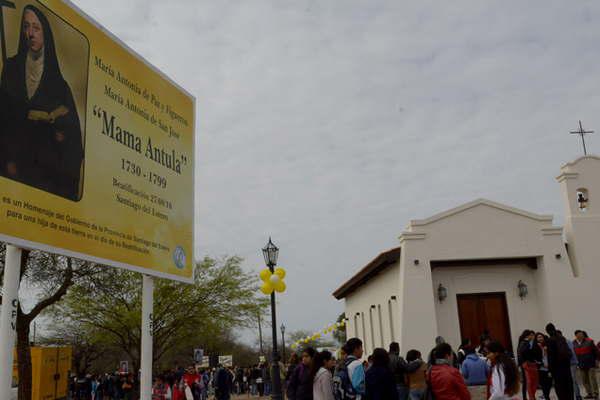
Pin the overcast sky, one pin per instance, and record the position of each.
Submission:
(330, 124)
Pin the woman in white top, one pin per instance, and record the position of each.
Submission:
(320, 371)
(505, 377)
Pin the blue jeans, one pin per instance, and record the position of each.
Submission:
(402, 392)
(417, 394)
(576, 393)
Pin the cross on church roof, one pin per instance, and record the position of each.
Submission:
(582, 132)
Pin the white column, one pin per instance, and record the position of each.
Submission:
(146, 361)
(8, 317)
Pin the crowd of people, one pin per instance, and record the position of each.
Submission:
(487, 371)
(552, 360)
(189, 383)
(179, 384)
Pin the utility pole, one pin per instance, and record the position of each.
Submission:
(260, 338)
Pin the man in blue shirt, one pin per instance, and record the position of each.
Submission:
(475, 370)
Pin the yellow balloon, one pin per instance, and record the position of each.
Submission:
(266, 288)
(294, 346)
(280, 287)
(281, 272)
(265, 274)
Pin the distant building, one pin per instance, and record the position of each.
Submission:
(485, 267)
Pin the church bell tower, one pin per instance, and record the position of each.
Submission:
(580, 186)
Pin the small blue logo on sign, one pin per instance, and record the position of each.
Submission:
(179, 257)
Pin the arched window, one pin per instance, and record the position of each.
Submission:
(583, 199)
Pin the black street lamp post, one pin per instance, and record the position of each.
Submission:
(270, 252)
(283, 341)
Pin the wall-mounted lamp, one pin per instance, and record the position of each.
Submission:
(393, 298)
(442, 293)
(558, 256)
(523, 290)
(416, 262)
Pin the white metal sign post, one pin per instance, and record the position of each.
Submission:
(147, 325)
(8, 317)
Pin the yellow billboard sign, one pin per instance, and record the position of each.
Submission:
(96, 145)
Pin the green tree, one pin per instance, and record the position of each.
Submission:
(48, 277)
(108, 308)
(339, 333)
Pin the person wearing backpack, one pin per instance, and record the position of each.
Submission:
(475, 370)
(416, 379)
(559, 363)
(349, 379)
(301, 385)
(400, 368)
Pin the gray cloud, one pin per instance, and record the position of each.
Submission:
(330, 124)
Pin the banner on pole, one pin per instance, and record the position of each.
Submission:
(205, 363)
(96, 145)
(226, 361)
(124, 367)
(198, 355)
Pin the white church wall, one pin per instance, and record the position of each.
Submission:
(418, 326)
(478, 230)
(523, 314)
(560, 291)
(573, 298)
(378, 292)
(484, 231)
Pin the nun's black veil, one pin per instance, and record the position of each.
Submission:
(51, 67)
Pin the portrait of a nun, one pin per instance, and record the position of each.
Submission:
(40, 131)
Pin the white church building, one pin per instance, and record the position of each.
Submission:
(485, 266)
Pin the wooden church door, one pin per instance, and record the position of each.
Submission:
(483, 312)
